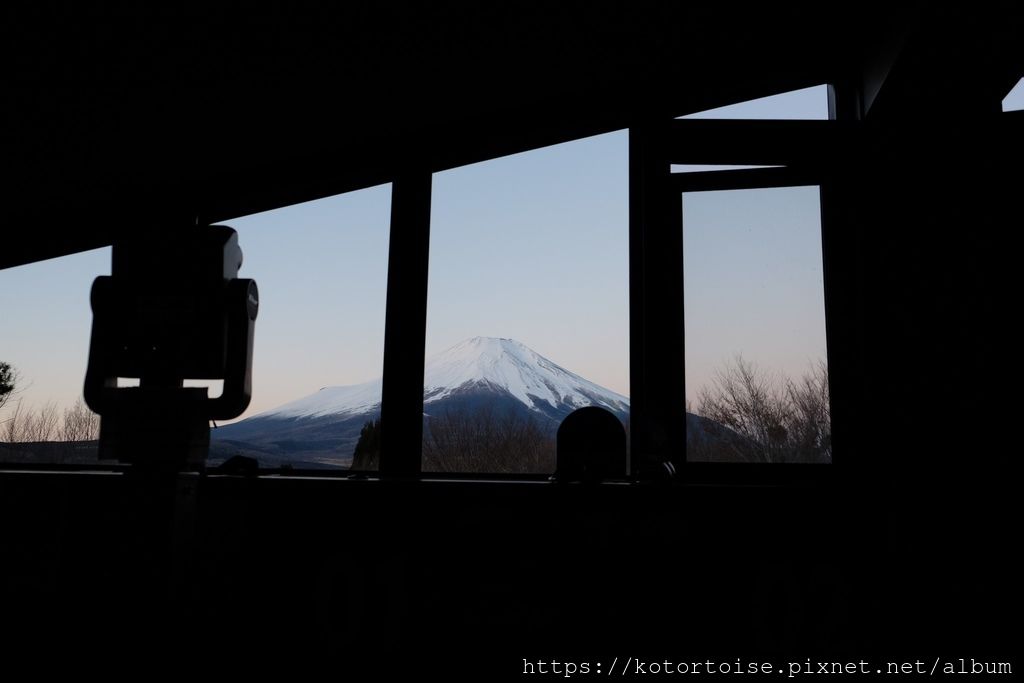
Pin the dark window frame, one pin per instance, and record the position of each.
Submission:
(805, 153)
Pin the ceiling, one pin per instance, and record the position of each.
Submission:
(128, 120)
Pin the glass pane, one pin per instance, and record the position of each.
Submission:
(756, 374)
(704, 168)
(1014, 100)
(528, 304)
(44, 349)
(322, 272)
(805, 104)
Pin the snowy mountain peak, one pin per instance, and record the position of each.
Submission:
(483, 345)
(510, 365)
(485, 350)
(478, 364)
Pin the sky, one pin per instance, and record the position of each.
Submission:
(754, 286)
(531, 246)
(534, 247)
(1014, 100)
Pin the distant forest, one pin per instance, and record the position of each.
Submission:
(749, 415)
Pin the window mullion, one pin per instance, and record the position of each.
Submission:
(405, 326)
(658, 395)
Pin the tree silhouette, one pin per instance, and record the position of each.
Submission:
(774, 418)
(8, 382)
(484, 440)
(367, 453)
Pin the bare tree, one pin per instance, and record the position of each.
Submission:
(25, 425)
(80, 423)
(811, 422)
(773, 419)
(13, 425)
(42, 425)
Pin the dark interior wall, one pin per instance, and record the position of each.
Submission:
(477, 577)
(932, 219)
(920, 226)
(905, 554)
(133, 119)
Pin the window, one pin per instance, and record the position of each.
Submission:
(708, 168)
(321, 268)
(45, 340)
(527, 315)
(741, 258)
(756, 373)
(807, 104)
(1014, 100)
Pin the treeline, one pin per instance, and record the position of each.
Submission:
(486, 441)
(772, 418)
(482, 440)
(745, 415)
(749, 415)
(22, 424)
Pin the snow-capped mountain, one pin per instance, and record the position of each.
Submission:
(504, 374)
(502, 366)
(505, 365)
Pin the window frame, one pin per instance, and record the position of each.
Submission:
(801, 151)
(798, 153)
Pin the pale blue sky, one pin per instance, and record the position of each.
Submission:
(1014, 100)
(531, 246)
(44, 333)
(754, 287)
(535, 247)
(807, 103)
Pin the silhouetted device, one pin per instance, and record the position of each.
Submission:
(590, 446)
(172, 310)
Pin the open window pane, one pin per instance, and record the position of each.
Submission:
(756, 373)
(705, 168)
(527, 314)
(321, 267)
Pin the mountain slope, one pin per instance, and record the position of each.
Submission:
(480, 364)
(505, 365)
(500, 375)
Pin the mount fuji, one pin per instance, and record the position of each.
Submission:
(503, 374)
